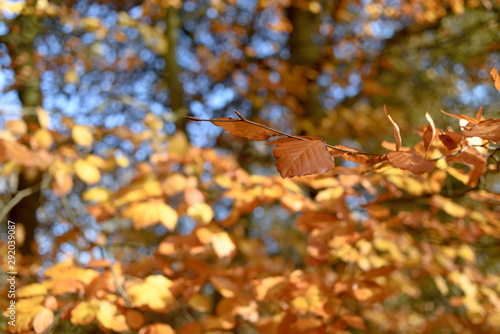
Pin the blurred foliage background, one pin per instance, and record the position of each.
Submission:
(320, 68)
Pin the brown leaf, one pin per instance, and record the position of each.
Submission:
(450, 140)
(495, 77)
(240, 128)
(431, 133)
(488, 129)
(411, 162)
(353, 320)
(302, 157)
(397, 133)
(478, 163)
(461, 116)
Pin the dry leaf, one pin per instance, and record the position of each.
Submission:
(82, 135)
(302, 157)
(488, 129)
(411, 162)
(495, 77)
(43, 118)
(240, 128)
(397, 133)
(87, 171)
(153, 292)
(156, 328)
(148, 213)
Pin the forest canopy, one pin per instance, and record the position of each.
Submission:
(250, 166)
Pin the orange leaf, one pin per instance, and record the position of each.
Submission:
(397, 133)
(411, 162)
(495, 77)
(43, 320)
(488, 129)
(240, 128)
(353, 321)
(157, 328)
(302, 157)
(135, 319)
(461, 116)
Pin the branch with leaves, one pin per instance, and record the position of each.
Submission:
(306, 155)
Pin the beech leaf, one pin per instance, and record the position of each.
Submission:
(450, 139)
(302, 157)
(495, 77)
(488, 129)
(410, 161)
(460, 116)
(397, 133)
(240, 128)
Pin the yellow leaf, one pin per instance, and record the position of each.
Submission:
(146, 214)
(25, 316)
(441, 285)
(222, 244)
(17, 126)
(84, 313)
(43, 118)
(106, 315)
(67, 270)
(153, 292)
(466, 253)
(201, 213)
(87, 171)
(97, 194)
(42, 320)
(42, 138)
(153, 122)
(329, 194)
(82, 135)
(35, 289)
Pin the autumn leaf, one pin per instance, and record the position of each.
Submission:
(450, 140)
(397, 133)
(488, 129)
(430, 136)
(43, 320)
(43, 117)
(154, 292)
(146, 214)
(241, 127)
(461, 116)
(302, 157)
(495, 77)
(87, 171)
(411, 162)
(82, 135)
(353, 321)
(157, 328)
(84, 313)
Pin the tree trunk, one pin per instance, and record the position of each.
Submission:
(20, 42)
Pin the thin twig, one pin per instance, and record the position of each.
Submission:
(58, 316)
(243, 119)
(18, 198)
